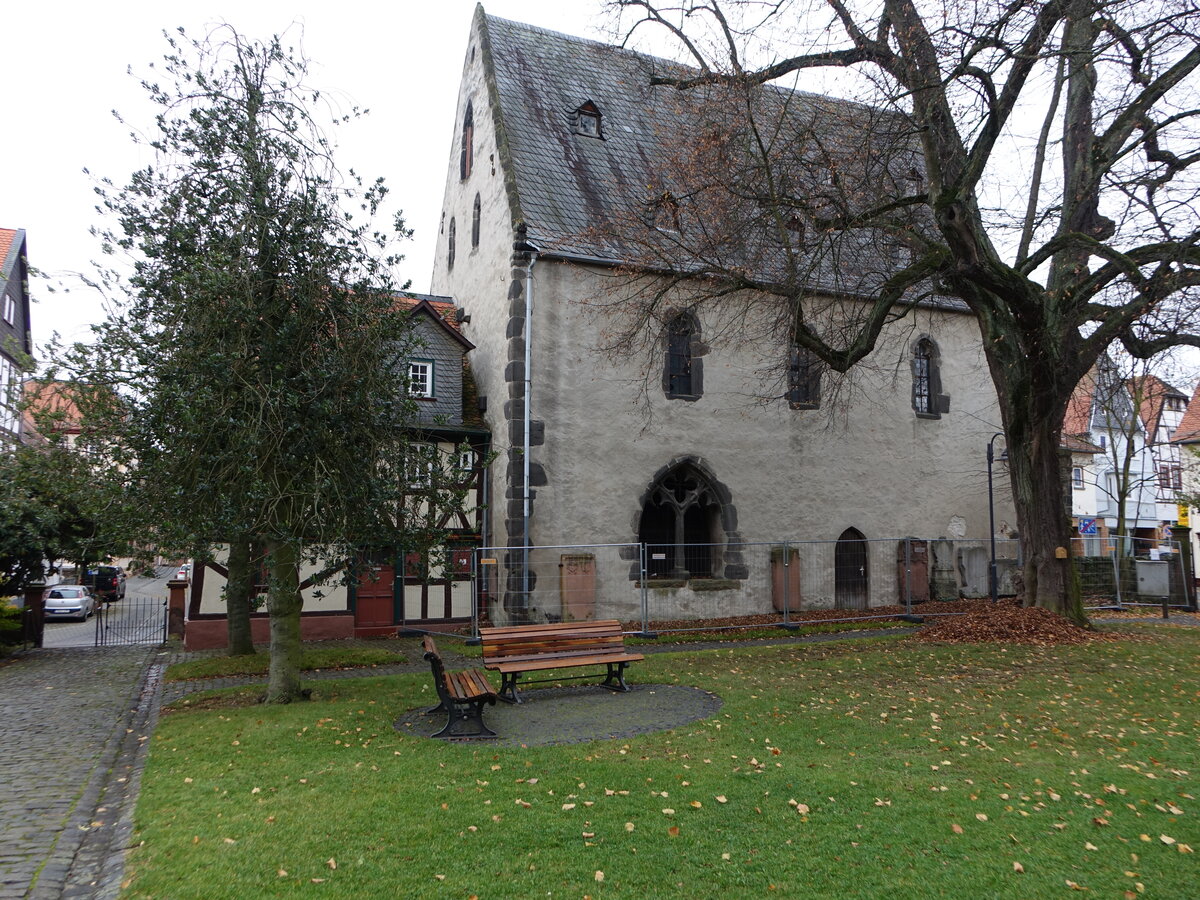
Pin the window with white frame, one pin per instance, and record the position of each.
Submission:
(420, 378)
(9, 385)
(1077, 478)
(418, 465)
(10, 309)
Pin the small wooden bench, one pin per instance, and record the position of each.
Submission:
(512, 651)
(462, 695)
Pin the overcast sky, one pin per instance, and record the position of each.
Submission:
(67, 68)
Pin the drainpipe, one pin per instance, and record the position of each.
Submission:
(524, 246)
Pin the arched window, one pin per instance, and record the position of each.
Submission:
(450, 247)
(475, 213)
(466, 157)
(928, 401)
(681, 525)
(682, 371)
(804, 379)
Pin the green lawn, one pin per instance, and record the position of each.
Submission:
(313, 658)
(867, 768)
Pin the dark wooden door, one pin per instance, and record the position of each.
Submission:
(850, 575)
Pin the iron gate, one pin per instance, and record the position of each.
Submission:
(132, 620)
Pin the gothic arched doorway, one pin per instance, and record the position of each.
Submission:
(850, 572)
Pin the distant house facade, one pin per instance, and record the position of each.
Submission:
(16, 341)
(1114, 481)
(1161, 407)
(688, 450)
(389, 588)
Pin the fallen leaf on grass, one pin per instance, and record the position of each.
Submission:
(1017, 867)
(721, 798)
(1184, 848)
(668, 811)
(282, 873)
(695, 804)
(599, 875)
(1166, 839)
(1090, 846)
(956, 828)
(982, 817)
(673, 831)
(331, 862)
(629, 826)
(1075, 886)
(567, 806)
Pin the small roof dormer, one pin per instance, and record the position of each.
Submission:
(585, 120)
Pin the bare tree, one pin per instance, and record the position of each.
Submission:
(851, 214)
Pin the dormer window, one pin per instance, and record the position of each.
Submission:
(587, 120)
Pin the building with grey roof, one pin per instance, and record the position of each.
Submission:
(709, 438)
(16, 341)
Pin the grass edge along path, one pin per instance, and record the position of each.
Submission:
(865, 768)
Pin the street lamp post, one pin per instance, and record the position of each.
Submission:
(992, 586)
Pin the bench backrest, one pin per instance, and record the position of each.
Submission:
(439, 668)
(561, 638)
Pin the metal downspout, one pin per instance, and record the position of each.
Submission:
(525, 246)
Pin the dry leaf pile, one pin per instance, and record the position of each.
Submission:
(1006, 622)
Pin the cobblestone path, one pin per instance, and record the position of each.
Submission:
(67, 719)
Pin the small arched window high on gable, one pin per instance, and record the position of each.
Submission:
(928, 401)
(450, 247)
(475, 215)
(466, 158)
(682, 370)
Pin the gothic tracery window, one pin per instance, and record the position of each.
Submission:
(680, 525)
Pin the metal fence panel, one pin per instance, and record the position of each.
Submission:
(1128, 571)
(655, 586)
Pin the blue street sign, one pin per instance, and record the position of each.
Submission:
(1087, 526)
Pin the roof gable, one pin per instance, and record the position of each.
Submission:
(1188, 431)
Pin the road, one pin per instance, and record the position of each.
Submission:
(136, 619)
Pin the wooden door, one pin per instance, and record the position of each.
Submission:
(375, 605)
(850, 575)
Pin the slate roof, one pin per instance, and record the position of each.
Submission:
(565, 186)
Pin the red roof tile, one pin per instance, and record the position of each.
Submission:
(1188, 431)
(7, 236)
(1078, 418)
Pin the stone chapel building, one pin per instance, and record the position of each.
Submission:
(694, 458)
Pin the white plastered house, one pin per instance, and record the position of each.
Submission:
(693, 456)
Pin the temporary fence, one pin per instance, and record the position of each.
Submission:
(1116, 572)
(661, 587)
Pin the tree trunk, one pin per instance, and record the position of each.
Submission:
(1034, 387)
(239, 589)
(284, 606)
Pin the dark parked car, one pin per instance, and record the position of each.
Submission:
(106, 582)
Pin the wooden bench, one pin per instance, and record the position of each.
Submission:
(462, 695)
(512, 651)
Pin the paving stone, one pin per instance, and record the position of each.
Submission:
(61, 715)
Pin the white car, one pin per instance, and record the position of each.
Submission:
(70, 601)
